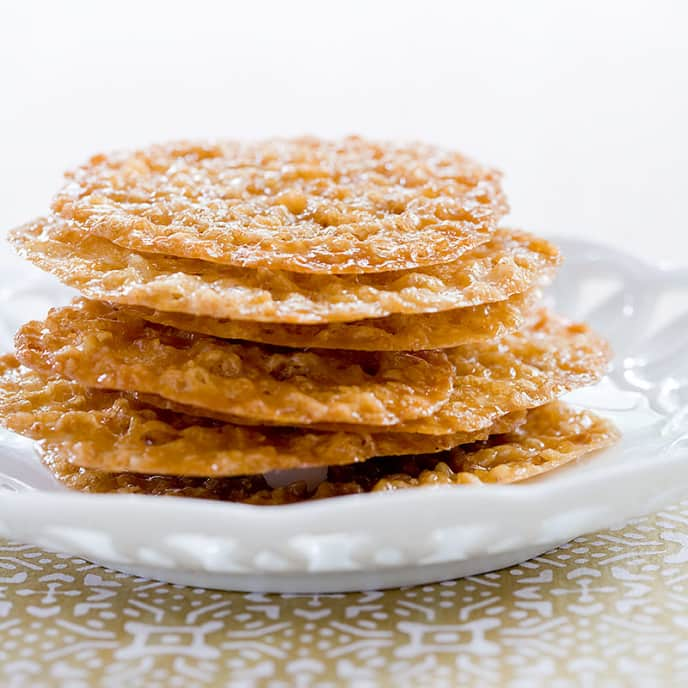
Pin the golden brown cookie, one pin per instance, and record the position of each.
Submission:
(394, 333)
(108, 431)
(510, 263)
(101, 346)
(501, 424)
(554, 434)
(105, 347)
(549, 357)
(305, 205)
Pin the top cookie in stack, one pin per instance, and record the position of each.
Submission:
(295, 303)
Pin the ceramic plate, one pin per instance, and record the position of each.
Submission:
(413, 536)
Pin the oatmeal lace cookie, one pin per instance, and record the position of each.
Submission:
(304, 205)
(554, 434)
(510, 263)
(92, 428)
(397, 332)
(100, 346)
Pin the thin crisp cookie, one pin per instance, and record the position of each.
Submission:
(101, 346)
(510, 263)
(304, 205)
(394, 333)
(97, 429)
(501, 424)
(554, 434)
(549, 357)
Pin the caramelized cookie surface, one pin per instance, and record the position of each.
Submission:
(101, 346)
(510, 263)
(304, 205)
(393, 333)
(111, 432)
(549, 357)
(553, 435)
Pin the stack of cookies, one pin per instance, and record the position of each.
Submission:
(283, 320)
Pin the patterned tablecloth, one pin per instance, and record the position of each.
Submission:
(609, 609)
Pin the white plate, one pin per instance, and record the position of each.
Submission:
(409, 537)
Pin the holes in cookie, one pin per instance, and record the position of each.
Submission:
(369, 362)
(176, 339)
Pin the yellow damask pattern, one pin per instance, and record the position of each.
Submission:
(609, 609)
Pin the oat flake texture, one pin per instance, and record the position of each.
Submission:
(553, 435)
(107, 431)
(398, 332)
(510, 263)
(108, 348)
(304, 205)
(549, 357)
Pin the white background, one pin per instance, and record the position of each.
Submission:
(584, 105)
